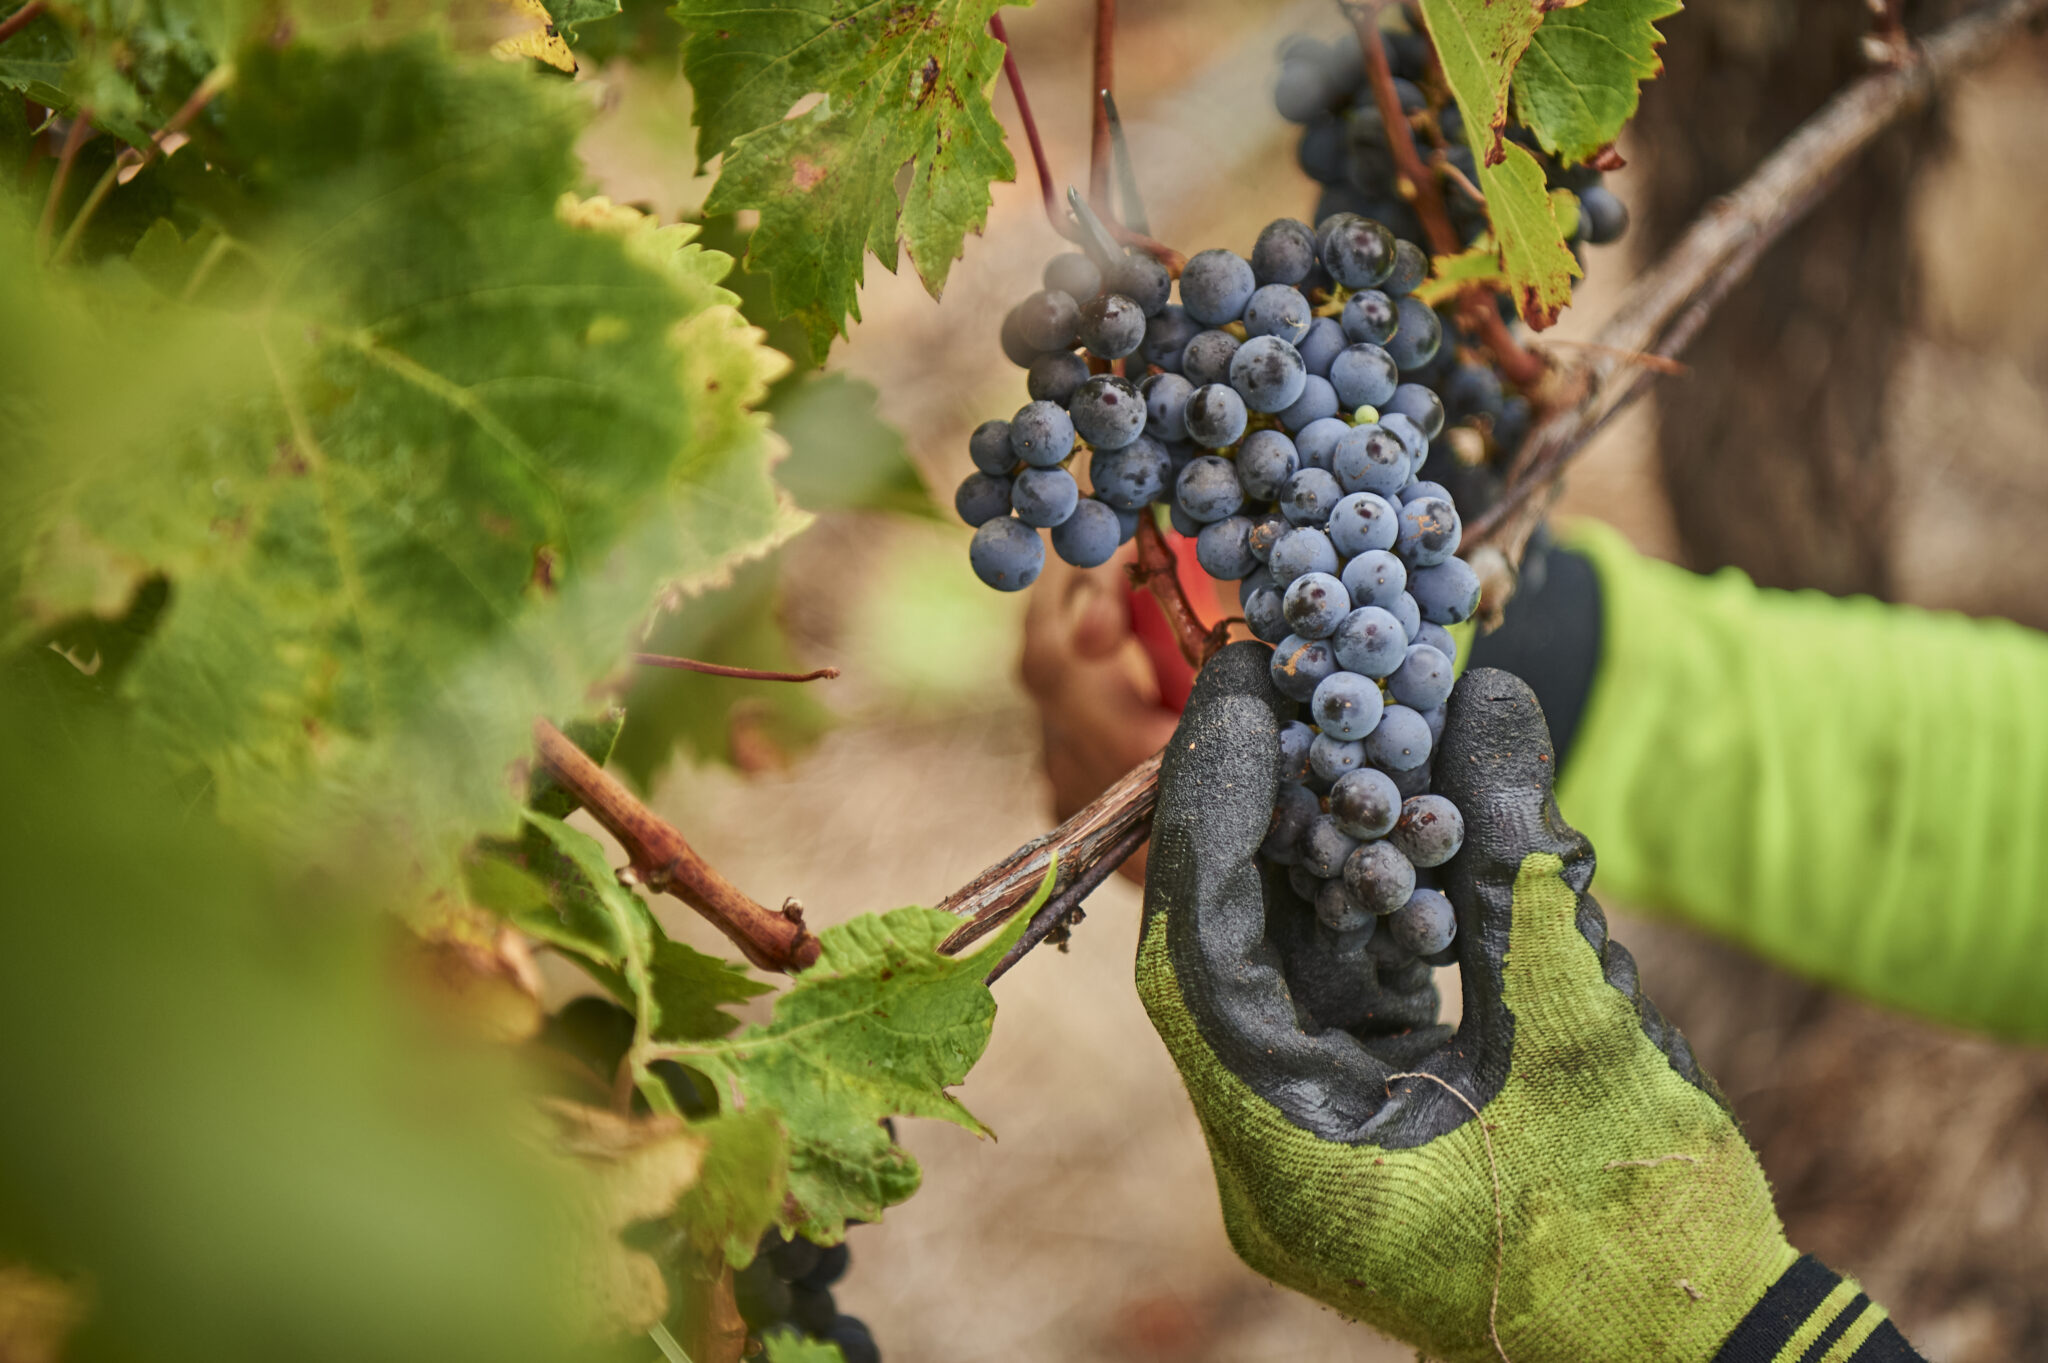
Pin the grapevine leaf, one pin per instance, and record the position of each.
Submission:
(1580, 79)
(567, 14)
(740, 1188)
(475, 428)
(899, 85)
(688, 985)
(785, 1346)
(879, 1027)
(1479, 43)
(1451, 275)
(842, 456)
(35, 59)
(603, 911)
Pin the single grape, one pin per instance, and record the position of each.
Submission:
(1436, 720)
(1423, 680)
(1299, 552)
(1112, 326)
(1424, 925)
(1207, 489)
(1346, 705)
(1055, 376)
(1016, 349)
(1049, 319)
(1132, 477)
(1430, 830)
(792, 1258)
(1410, 435)
(1330, 758)
(1401, 742)
(1107, 412)
(989, 448)
(1411, 264)
(1358, 252)
(1376, 578)
(1361, 522)
(1216, 416)
(1041, 434)
(1167, 335)
(832, 1261)
(1277, 310)
(1267, 372)
(1369, 641)
(1284, 253)
(1340, 910)
(1415, 490)
(1044, 497)
(1265, 462)
(1364, 375)
(1304, 89)
(1267, 528)
(1307, 497)
(812, 1312)
(1215, 285)
(1141, 278)
(1318, 402)
(1420, 405)
(1323, 343)
(1417, 337)
(856, 1344)
(1305, 882)
(1324, 847)
(1447, 593)
(1430, 532)
(1295, 738)
(1224, 549)
(1126, 525)
(1183, 524)
(1166, 406)
(1472, 390)
(1408, 613)
(1074, 275)
(1089, 537)
(1299, 665)
(1006, 554)
(1369, 317)
(1206, 358)
(1317, 441)
(1364, 802)
(1602, 216)
(982, 498)
(1438, 638)
(762, 1298)
(1316, 604)
(1263, 613)
(1370, 459)
(1292, 810)
(1379, 877)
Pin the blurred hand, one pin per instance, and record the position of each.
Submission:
(1098, 698)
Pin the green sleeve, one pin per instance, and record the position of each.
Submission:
(1856, 791)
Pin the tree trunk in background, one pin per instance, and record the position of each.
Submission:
(1913, 1157)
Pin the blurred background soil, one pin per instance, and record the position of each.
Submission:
(1870, 415)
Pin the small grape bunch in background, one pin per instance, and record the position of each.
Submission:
(1271, 414)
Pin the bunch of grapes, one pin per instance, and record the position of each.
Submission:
(788, 1288)
(1278, 426)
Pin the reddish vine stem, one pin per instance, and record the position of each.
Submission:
(1038, 159)
(1158, 572)
(74, 138)
(20, 19)
(663, 859)
(1098, 126)
(721, 670)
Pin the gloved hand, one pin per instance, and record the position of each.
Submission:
(1556, 1182)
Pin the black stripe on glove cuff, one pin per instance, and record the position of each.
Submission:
(1792, 1302)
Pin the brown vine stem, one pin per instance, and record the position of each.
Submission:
(721, 670)
(1158, 572)
(20, 19)
(1098, 126)
(1666, 306)
(74, 138)
(1064, 909)
(664, 861)
(1038, 158)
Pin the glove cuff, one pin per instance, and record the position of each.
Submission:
(1814, 1315)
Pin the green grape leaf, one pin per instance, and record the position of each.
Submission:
(35, 59)
(879, 1027)
(785, 1346)
(1479, 43)
(567, 14)
(688, 985)
(1580, 79)
(842, 456)
(465, 431)
(740, 1189)
(899, 85)
(1451, 275)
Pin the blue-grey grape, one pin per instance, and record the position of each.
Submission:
(1411, 264)
(1267, 528)
(1364, 375)
(1324, 846)
(1277, 310)
(1016, 349)
(1362, 522)
(1054, 376)
(1447, 593)
(1317, 441)
(1166, 406)
(1376, 578)
(1420, 405)
(1107, 412)
(1339, 910)
(1112, 326)
(1284, 253)
(1073, 274)
(1369, 316)
(1424, 925)
(1132, 477)
(1049, 319)
(1472, 390)
(1041, 434)
(1006, 554)
(1167, 335)
(1417, 337)
(1089, 537)
(1318, 402)
(1323, 343)
(1409, 434)
(1299, 552)
(1370, 459)
(1307, 497)
(1268, 374)
(1216, 416)
(1208, 490)
(989, 448)
(1044, 497)
(1436, 719)
(1438, 638)
(1602, 216)
(1207, 356)
(1430, 830)
(1358, 252)
(982, 498)
(1331, 757)
(1430, 532)
(1265, 462)
(1370, 642)
(1401, 742)
(1346, 705)
(1141, 278)
(1305, 882)
(1408, 613)
(1183, 524)
(1423, 680)
(1292, 811)
(1295, 738)
(1414, 490)
(1299, 665)
(1262, 611)
(1224, 549)
(1365, 803)
(1316, 604)
(1215, 285)
(1379, 877)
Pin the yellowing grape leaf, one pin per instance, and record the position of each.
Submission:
(879, 1027)
(1579, 81)
(896, 85)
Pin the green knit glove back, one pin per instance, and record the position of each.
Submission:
(1554, 1183)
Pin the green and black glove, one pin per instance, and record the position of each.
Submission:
(1556, 1182)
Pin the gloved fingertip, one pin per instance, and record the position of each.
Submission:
(1495, 738)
